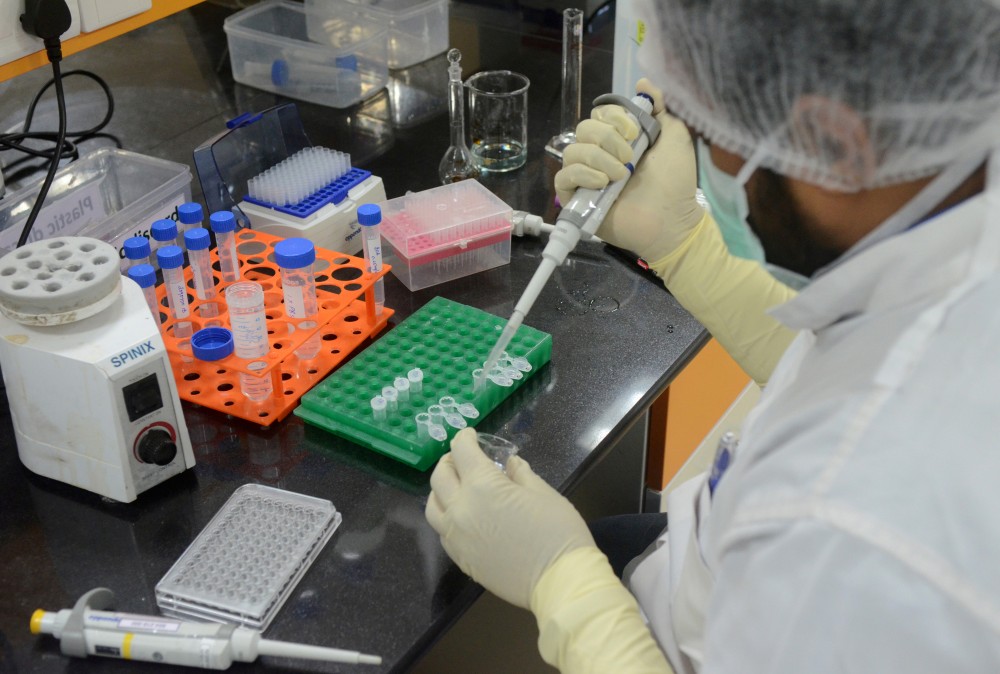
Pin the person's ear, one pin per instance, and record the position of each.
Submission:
(837, 136)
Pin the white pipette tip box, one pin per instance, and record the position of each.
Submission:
(445, 233)
(247, 560)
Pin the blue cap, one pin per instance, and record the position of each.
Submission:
(279, 72)
(164, 230)
(369, 214)
(143, 274)
(197, 238)
(212, 343)
(190, 214)
(170, 257)
(294, 253)
(136, 247)
(222, 221)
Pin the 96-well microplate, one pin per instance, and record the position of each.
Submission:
(246, 561)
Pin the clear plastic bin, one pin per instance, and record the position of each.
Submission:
(108, 194)
(417, 30)
(445, 233)
(330, 60)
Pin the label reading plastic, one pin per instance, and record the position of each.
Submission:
(62, 217)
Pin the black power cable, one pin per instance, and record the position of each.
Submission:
(48, 19)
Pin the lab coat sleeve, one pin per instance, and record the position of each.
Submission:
(589, 623)
(730, 296)
(805, 596)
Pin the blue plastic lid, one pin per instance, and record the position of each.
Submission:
(164, 230)
(197, 238)
(136, 247)
(222, 221)
(170, 257)
(190, 214)
(369, 214)
(143, 274)
(212, 343)
(294, 253)
(279, 72)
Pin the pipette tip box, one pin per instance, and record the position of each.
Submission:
(248, 558)
(445, 233)
(447, 341)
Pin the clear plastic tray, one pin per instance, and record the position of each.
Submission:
(108, 194)
(445, 233)
(417, 30)
(246, 561)
(280, 47)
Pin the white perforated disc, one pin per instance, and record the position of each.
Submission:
(59, 280)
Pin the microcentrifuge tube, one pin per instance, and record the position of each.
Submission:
(521, 364)
(455, 420)
(402, 385)
(437, 414)
(416, 377)
(171, 259)
(437, 432)
(423, 421)
(448, 404)
(468, 410)
(391, 396)
(379, 405)
(223, 223)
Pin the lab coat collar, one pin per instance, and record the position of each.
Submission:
(926, 260)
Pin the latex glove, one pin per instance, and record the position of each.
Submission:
(502, 530)
(657, 210)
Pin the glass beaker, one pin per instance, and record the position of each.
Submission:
(498, 112)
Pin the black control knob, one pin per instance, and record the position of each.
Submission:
(157, 447)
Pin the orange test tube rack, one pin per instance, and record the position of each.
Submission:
(343, 323)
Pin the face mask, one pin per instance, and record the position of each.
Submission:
(727, 198)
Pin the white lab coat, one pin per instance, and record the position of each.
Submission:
(858, 527)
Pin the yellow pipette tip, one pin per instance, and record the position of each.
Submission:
(36, 621)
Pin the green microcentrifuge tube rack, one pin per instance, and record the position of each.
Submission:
(447, 341)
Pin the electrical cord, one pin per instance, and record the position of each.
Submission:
(15, 140)
(53, 162)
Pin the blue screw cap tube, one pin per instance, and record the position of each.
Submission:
(223, 223)
(189, 215)
(137, 250)
(171, 259)
(145, 276)
(295, 259)
(197, 241)
(164, 232)
(370, 219)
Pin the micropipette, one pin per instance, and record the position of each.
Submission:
(580, 218)
(87, 629)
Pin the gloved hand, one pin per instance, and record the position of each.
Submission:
(657, 210)
(502, 530)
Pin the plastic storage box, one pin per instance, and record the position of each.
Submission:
(445, 233)
(330, 60)
(417, 30)
(108, 194)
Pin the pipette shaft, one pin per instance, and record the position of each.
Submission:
(580, 218)
(83, 631)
